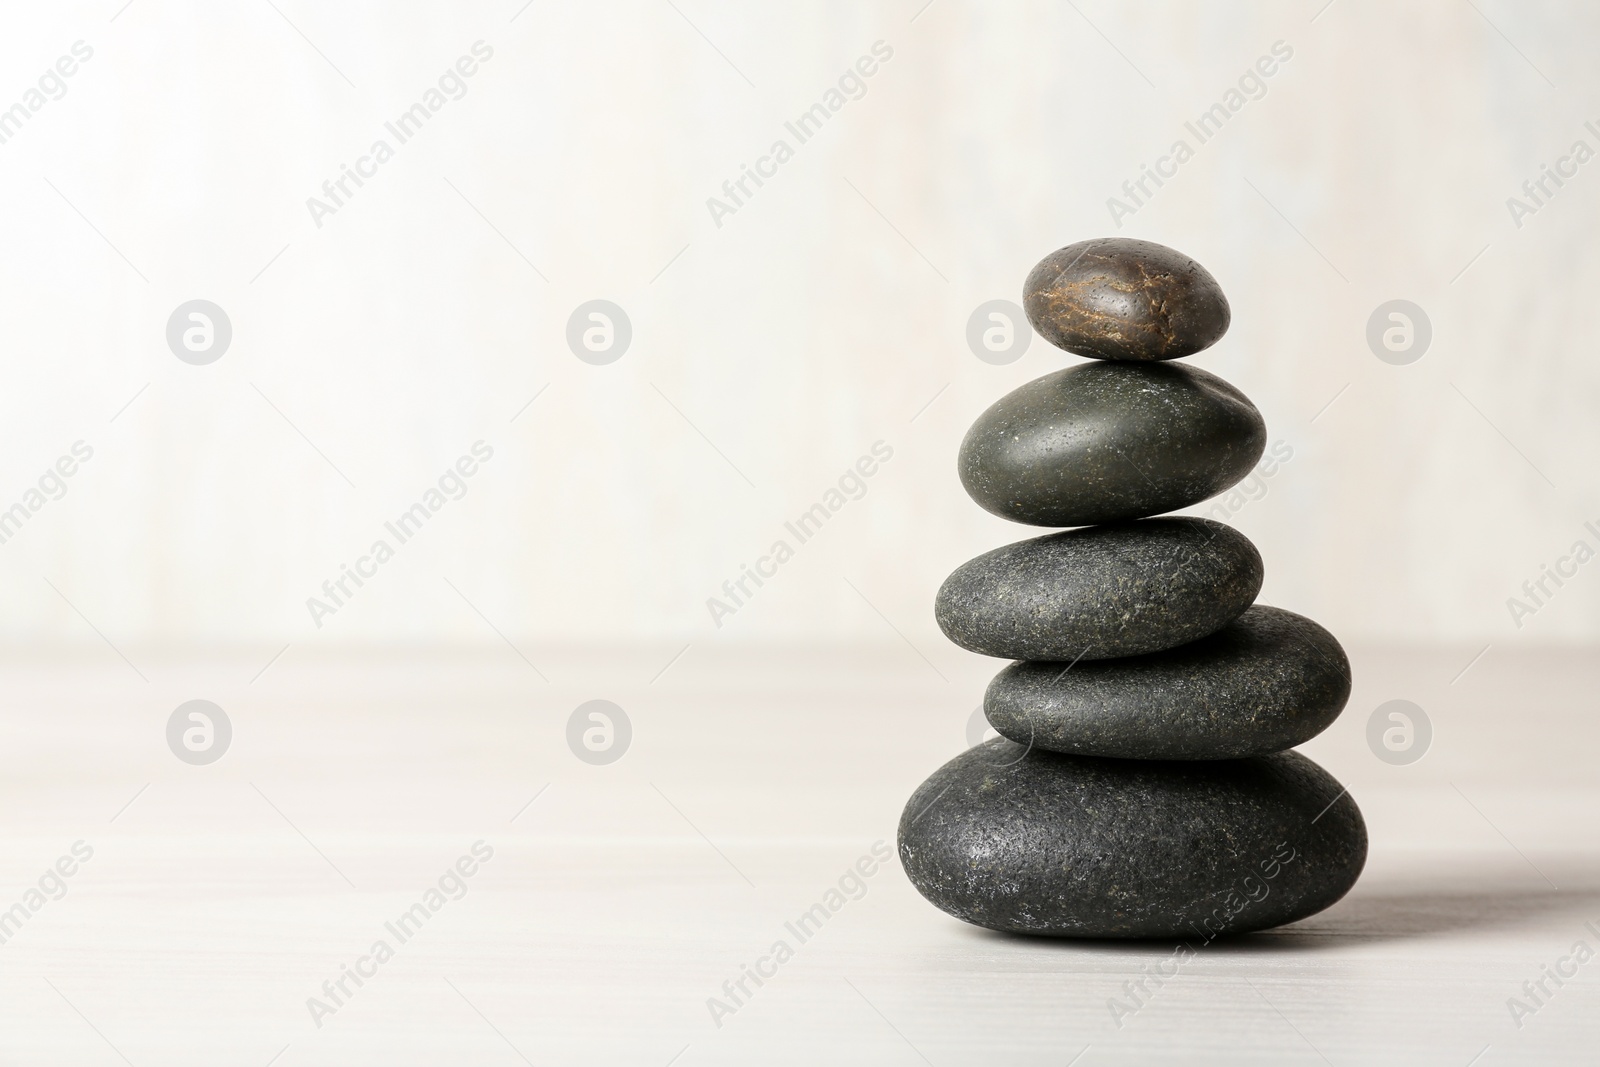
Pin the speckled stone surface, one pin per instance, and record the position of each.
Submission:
(1039, 842)
(1267, 681)
(1101, 591)
(1120, 298)
(1104, 442)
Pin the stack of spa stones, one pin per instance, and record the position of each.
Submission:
(1141, 785)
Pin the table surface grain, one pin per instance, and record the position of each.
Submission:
(616, 901)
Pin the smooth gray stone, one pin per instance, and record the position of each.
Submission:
(1119, 298)
(1101, 591)
(1104, 442)
(1038, 842)
(1267, 681)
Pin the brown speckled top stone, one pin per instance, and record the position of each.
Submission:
(1120, 298)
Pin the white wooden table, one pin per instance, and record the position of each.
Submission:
(220, 898)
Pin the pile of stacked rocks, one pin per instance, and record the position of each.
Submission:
(1141, 785)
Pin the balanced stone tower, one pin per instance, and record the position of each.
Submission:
(1142, 784)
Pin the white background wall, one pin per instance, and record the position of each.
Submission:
(817, 320)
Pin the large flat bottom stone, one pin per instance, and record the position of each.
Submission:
(1036, 842)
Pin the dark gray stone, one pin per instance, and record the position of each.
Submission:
(1118, 298)
(1039, 842)
(1267, 681)
(1103, 442)
(1102, 591)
